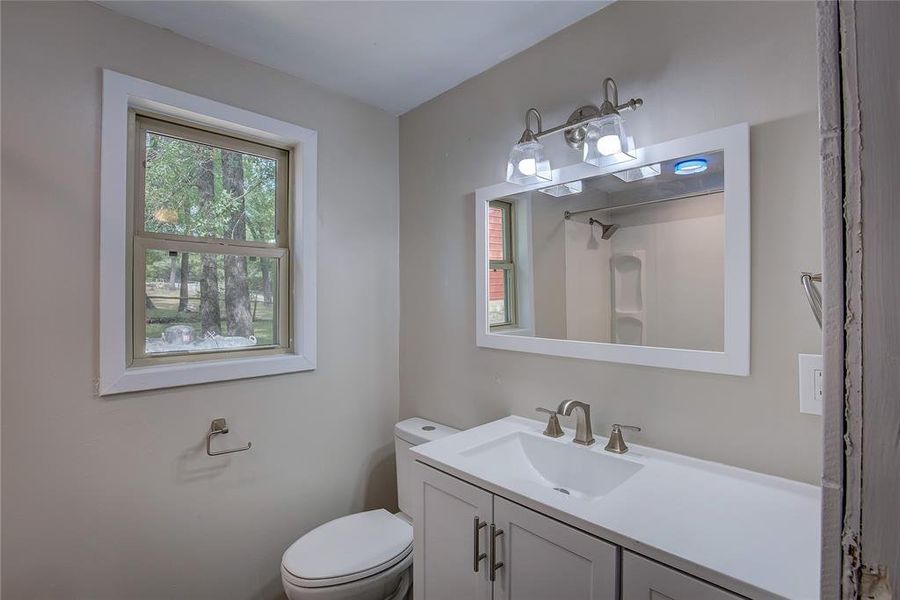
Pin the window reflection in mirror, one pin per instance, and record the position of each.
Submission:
(502, 267)
(635, 257)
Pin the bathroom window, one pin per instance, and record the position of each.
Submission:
(208, 226)
(502, 270)
(210, 244)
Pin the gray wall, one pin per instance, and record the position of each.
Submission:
(697, 66)
(115, 497)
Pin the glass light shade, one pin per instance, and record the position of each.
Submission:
(605, 142)
(527, 164)
(563, 189)
(638, 173)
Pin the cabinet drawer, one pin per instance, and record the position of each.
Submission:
(643, 579)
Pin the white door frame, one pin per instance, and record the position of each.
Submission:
(860, 529)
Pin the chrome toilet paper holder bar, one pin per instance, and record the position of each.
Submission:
(219, 426)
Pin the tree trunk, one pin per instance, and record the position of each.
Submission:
(185, 278)
(210, 319)
(237, 285)
(266, 280)
(148, 303)
(265, 272)
(173, 270)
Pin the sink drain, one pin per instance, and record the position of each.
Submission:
(562, 491)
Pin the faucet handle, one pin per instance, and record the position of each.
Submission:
(616, 441)
(553, 429)
(631, 427)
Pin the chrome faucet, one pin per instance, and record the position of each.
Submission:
(583, 433)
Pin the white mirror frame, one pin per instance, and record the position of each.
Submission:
(735, 359)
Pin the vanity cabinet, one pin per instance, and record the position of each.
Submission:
(578, 522)
(534, 556)
(643, 578)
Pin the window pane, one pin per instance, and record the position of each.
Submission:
(496, 233)
(199, 190)
(209, 302)
(498, 298)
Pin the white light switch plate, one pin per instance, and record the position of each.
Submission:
(811, 382)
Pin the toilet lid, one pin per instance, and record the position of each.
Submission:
(349, 548)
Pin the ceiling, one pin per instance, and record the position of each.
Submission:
(394, 55)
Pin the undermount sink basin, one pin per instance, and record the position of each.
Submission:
(570, 469)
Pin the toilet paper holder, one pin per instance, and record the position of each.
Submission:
(219, 426)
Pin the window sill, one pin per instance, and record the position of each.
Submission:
(179, 374)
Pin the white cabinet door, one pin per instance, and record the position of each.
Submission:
(446, 543)
(546, 560)
(643, 579)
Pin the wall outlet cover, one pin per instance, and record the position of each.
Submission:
(812, 369)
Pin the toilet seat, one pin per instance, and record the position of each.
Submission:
(348, 549)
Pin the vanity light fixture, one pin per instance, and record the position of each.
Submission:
(599, 132)
(691, 166)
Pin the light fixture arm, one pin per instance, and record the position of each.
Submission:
(585, 114)
(537, 116)
(606, 85)
(529, 135)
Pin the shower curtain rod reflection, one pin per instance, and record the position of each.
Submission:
(571, 213)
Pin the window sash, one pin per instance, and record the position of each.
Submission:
(139, 356)
(507, 265)
(509, 298)
(144, 124)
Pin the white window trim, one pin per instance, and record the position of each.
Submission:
(122, 93)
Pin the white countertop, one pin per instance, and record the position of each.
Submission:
(754, 534)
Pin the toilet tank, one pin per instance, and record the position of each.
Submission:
(409, 433)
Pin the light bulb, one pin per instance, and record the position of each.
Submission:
(527, 166)
(609, 145)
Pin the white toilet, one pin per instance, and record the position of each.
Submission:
(367, 555)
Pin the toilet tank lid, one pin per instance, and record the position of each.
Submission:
(418, 431)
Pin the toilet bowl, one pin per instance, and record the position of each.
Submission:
(367, 555)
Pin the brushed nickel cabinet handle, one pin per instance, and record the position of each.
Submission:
(495, 566)
(478, 556)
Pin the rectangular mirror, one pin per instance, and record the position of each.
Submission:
(645, 262)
